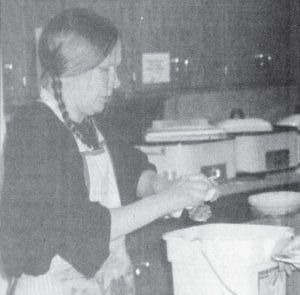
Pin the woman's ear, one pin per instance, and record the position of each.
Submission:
(45, 81)
(75, 86)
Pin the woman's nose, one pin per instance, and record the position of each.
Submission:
(117, 82)
(114, 79)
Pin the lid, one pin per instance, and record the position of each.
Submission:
(180, 124)
(245, 125)
(276, 130)
(293, 120)
(183, 130)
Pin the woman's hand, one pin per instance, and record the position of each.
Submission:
(190, 191)
(152, 183)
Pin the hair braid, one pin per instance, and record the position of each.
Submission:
(57, 88)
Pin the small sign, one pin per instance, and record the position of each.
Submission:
(156, 68)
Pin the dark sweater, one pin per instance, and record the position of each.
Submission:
(45, 208)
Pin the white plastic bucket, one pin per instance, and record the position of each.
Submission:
(227, 259)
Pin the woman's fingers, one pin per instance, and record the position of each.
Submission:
(206, 186)
(191, 190)
(198, 177)
(216, 195)
(200, 180)
(211, 195)
(212, 191)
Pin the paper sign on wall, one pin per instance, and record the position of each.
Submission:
(156, 68)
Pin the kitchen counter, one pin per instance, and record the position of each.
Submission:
(263, 181)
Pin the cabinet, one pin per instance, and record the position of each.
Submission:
(257, 41)
(191, 31)
(216, 44)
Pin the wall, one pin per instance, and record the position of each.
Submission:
(267, 103)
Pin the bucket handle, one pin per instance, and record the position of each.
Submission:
(213, 268)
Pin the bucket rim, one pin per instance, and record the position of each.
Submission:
(172, 234)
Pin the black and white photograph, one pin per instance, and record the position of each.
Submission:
(149, 147)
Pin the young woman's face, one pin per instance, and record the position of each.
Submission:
(91, 90)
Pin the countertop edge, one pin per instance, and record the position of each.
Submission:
(241, 185)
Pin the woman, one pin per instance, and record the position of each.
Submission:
(62, 222)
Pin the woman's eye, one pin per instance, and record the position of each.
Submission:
(103, 70)
(108, 70)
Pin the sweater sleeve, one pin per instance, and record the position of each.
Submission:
(45, 208)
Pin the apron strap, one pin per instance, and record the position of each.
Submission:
(12, 283)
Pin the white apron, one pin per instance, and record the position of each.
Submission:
(115, 277)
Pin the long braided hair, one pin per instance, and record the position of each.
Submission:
(75, 41)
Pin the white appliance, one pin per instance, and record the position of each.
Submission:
(293, 121)
(266, 151)
(178, 148)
